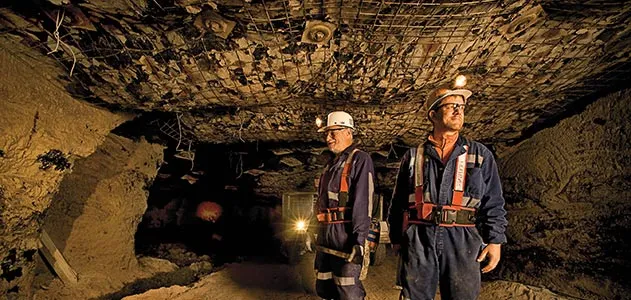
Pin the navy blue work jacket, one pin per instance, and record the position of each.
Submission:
(361, 187)
(483, 189)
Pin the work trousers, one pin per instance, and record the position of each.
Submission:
(445, 256)
(338, 279)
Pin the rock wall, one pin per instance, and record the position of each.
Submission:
(43, 130)
(94, 216)
(568, 192)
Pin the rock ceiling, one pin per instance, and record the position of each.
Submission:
(234, 70)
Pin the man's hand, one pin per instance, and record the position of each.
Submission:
(308, 242)
(493, 251)
(357, 254)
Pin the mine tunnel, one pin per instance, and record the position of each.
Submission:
(155, 149)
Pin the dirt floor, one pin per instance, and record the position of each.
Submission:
(256, 279)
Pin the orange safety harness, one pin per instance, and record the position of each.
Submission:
(423, 211)
(336, 215)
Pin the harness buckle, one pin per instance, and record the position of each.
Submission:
(437, 214)
(450, 216)
(444, 215)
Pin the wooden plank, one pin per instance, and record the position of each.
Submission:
(56, 259)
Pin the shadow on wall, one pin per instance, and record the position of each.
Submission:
(75, 189)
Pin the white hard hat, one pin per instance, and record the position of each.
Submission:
(441, 93)
(338, 118)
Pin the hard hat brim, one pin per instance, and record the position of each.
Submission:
(459, 92)
(336, 126)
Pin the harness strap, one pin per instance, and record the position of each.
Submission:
(443, 215)
(418, 161)
(344, 180)
(419, 198)
(424, 211)
(459, 177)
(334, 215)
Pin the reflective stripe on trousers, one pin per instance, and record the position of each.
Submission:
(324, 275)
(337, 279)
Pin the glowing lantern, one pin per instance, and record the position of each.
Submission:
(209, 211)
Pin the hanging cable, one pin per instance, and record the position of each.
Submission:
(58, 21)
(191, 155)
(179, 127)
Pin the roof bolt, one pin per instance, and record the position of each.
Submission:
(318, 35)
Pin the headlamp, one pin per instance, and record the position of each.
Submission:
(460, 81)
(318, 122)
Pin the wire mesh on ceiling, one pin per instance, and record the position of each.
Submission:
(377, 59)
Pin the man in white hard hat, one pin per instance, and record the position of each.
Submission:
(447, 210)
(345, 192)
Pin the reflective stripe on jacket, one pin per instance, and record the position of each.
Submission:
(482, 190)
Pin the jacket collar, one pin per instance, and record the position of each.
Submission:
(458, 148)
(338, 159)
(348, 149)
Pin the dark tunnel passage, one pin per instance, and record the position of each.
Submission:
(229, 177)
(247, 181)
(243, 223)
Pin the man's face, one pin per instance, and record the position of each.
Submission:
(338, 139)
(449, 114)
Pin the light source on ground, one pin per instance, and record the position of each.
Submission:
(301, 225)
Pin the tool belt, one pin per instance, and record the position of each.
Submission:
(441, 215)
(335, 215)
